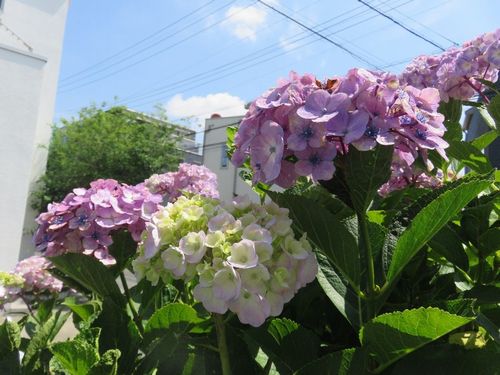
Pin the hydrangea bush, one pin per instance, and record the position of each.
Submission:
(376, 258)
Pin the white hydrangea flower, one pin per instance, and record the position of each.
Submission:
(192, 245)
(243, 255)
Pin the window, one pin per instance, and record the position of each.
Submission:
(223, 157)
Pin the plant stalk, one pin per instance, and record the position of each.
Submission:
(365, 238)
(220, 329)
(137, 319)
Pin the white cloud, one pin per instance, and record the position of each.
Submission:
(244, 22)
(202, 107)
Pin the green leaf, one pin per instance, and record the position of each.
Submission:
(118, 332)
(346, 362)
(338, 291)
(487, 118)
(122, 249)
(430, 220)
(489, 326)
(75, 356)
(10, 337)
(326, 232)
(453, 131)
(448, 244)
(320, 195)
(91, 273)
(176, 317)
(85, 311)
(494, 109)
(389, 337)
(44, 310)
(289, 345)
(107, 365)
(452, 110)
(484, 140)
(469, 155)
(485, 294)
(443, 359)
(10, 340)
(364, 173)
(31, 362)
(491, 85)
(165, 338)
(489, 241)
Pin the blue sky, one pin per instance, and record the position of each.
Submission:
(198, 57)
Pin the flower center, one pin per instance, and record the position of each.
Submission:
(272, 149)
(421, 134)
(314, 159)
(371, 132)
(307, 133)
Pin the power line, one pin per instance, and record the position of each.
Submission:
(249, 65)
(400, 25)
(250, 60)
(427, 27)
(154, 54)
(150, 36)
(338, 45)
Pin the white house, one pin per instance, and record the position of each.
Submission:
(215, 158)
(31, 36)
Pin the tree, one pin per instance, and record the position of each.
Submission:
(115, 143)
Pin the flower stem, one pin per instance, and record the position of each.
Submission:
(137, 319)
(220, 329)
(365, 239)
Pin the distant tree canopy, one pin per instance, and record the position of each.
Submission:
(114, 143)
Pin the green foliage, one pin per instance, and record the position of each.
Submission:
(325, 231)
(430, 220)
(389, 337)
(286, 343)
(10, 340)
(90, 273)
(114, 143)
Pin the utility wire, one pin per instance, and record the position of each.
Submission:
(190, 36)
(400, 25)
(338, 45)
(249, 64)
(131, 46)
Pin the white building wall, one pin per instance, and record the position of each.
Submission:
(230, 183)
(31, 35)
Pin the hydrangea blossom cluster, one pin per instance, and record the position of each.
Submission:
(298, 128)
(455, 71)
(191, 178)
(84, 220)
(241, 256)
(37, 278)
(29, 278)
(11, 286)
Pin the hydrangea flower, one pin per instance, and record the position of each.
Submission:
(84, 221)
(238, 256)
(285, 138)
(190, 178)
(455, 72)
(29, 280)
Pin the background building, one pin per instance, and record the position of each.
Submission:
(31, 36)
(215, 158)
(191, 150)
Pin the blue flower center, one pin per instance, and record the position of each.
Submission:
(421, 134)
(324, 110)
(307, 133)
(82, 219)
(96, 235)
(405, 120)
(59, 220)
(421, 117)
(371, 131)
(314, 159)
